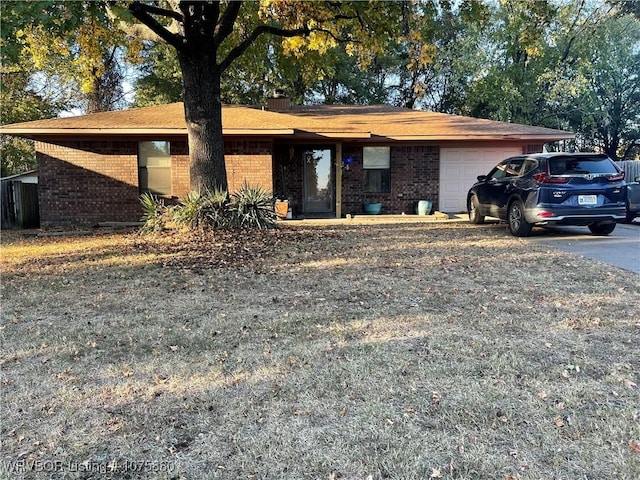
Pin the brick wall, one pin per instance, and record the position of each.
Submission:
(84, 182)
(180, 178)
(91, 181)
(249, 161)
(415, 176)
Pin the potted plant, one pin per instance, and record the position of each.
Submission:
(281, 207)
(371, 207)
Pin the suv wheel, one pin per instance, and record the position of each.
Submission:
(518, 225)
(602, 228)
(474, 213)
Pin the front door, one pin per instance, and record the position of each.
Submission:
(318, 181)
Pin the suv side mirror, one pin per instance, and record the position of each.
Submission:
(482, 178)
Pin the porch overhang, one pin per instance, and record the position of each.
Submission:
(346, 135)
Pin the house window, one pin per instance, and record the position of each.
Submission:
(154, 167)
(377, 169)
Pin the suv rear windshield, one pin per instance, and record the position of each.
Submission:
(581, 165)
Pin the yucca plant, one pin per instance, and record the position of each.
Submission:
(218, 203)
(154, 213)
(252, 207)
(249, 207)
(202, 209)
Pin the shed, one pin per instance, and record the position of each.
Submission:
(19, 197)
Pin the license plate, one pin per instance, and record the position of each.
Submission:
(587, 199)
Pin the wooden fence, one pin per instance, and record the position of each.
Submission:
(631, 168)
(19, 205)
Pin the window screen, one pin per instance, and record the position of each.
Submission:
(154, 167)
(377, 169)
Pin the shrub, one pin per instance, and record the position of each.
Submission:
(253, 207)
(250, 207)
(154, 213)
(203, 209)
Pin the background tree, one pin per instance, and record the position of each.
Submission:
(605, 109)
(547, 63)
(21, 99)
(19, 102)
(75, 45)
(159, 81)
(562, 65)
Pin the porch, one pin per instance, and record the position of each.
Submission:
(333, 180)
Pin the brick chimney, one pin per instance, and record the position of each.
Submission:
(279, 102)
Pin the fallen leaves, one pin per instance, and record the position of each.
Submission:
(172, 249)
(264, 342)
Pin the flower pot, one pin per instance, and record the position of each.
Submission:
(424, 207)
(282, 208)
(372, 208)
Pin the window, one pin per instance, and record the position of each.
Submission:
(508, 168)
(154, 167)
(581, 165)
(377, 169)
(513, 167)
(530, 164)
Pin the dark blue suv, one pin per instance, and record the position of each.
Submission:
(551, 188)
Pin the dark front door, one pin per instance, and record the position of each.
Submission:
(318, 181)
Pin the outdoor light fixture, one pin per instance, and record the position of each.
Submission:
(346, 163)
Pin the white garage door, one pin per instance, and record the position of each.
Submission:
(459, 169)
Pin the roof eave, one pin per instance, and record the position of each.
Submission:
(472, 137)
(35, 132)
(338, 135)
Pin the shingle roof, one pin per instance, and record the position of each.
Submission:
(377, 122)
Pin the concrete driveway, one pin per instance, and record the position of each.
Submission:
(621, 248)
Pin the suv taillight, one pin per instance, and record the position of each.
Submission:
(616, 177)
(544, 178)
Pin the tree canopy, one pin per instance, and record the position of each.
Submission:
(569, 65)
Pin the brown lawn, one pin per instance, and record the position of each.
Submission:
(402, 351)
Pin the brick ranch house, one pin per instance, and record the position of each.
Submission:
(327, 160)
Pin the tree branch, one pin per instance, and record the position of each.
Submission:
(225, 26)
(246, 43)
(163, 12)
(336, 38)
(143, 13)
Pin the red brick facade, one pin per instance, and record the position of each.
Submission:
(89, 181)
(415, 176)
(249, 161)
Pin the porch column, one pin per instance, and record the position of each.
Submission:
(338, 180)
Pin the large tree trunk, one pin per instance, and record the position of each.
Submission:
(203, 113)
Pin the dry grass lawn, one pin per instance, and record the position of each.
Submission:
(401, 351)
